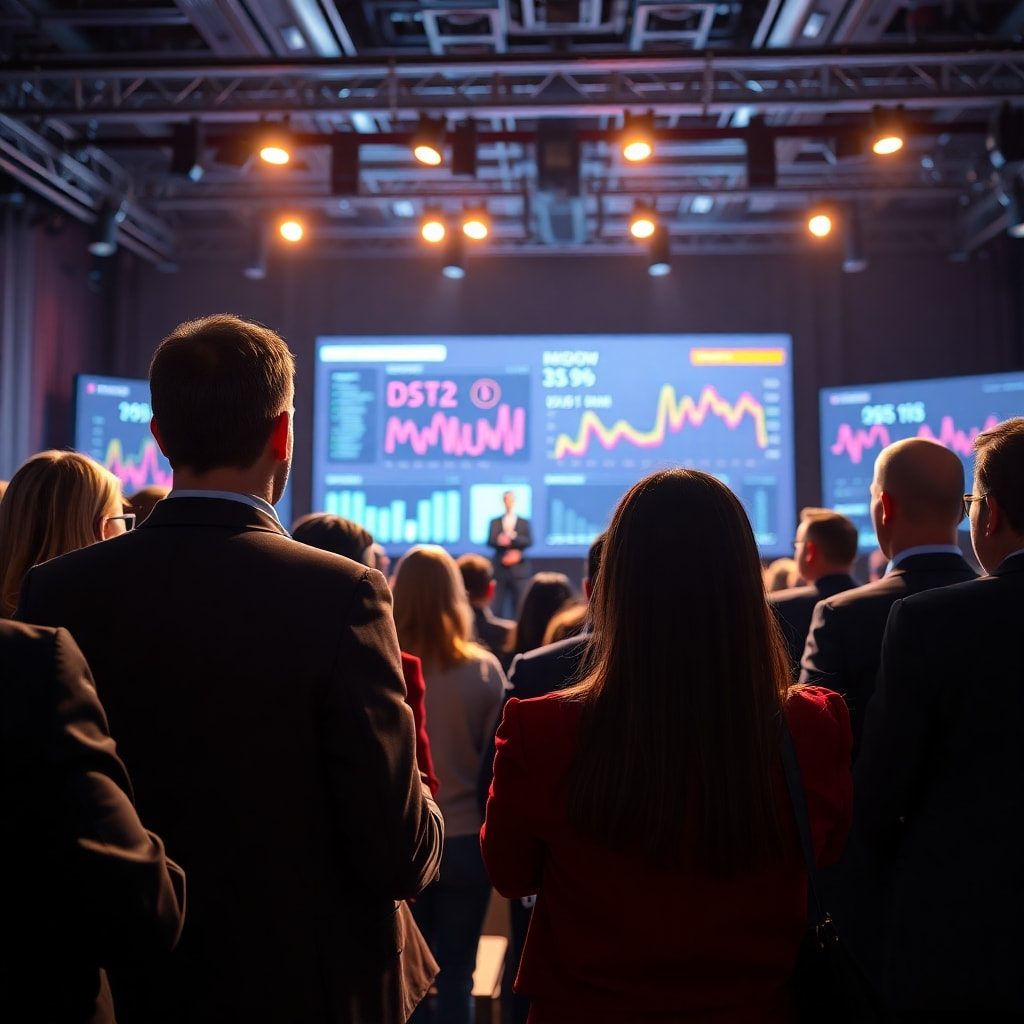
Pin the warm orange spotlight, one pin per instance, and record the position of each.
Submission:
(820, 225)
(276, 146)
(428, 141)
(890, 131)
(291, 230)
(476, 224)
(642, 223)
(637, 138)
(432, 229)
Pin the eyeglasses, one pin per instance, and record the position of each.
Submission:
(968, 498)
(128, 518)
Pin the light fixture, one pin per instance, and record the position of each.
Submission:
(660, 260)
(255, 268)
(103, 241)
(820, 225)
(1013, 199)
(432, 227)
(428, 140)
(1005, 139)
(291, 229)
(275, 145)
(890, 130)
(760, 144)
(464, 149)
(454, 265)
(854, 260)
(476, 224)
(642, 221)
(637, 139)
(187, 150)
(345, 164)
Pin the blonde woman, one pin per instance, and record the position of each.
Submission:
(56, 502)
(464, 691)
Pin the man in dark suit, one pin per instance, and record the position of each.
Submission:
(255, 688)
(825, 549)
(939, 794)
(492, 632)
(916, 506)
(510, 536)
(86, 884)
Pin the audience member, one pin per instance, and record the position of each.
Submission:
(56, 502)
(546, 594)
(781, 575)
(646, 805)
(509, 535)
(939, 776)
(143, 502)
(568, 621)
(268, 738)
(381, 560)
(916, 505)
(492, 632)
(826, 548)
(344, 537)
(878, 565)
(465, 686)
(87, 885)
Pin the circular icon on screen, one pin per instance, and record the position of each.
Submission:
(485, 393)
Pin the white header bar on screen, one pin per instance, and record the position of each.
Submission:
(383, 353)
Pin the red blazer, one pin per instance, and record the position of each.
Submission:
(613, 940)
(416, 690)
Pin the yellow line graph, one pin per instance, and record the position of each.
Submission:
(672, 414)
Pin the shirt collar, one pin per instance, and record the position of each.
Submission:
(923, 549)
(245, 499)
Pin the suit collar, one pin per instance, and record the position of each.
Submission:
(226, 512)
(929, 561)
(1012, 563)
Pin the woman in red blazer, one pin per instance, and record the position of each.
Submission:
(646, 806)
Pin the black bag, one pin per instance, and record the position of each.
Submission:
(828, 985)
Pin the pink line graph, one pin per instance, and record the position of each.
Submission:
(854, 442)
(454, 437)
(138, 472)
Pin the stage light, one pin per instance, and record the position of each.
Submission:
(1005, 139)
(889, 131)
(464, 150)
(255, 268)
(761, 164)
(187, 151)
(432, 228)
(275, 145)
(1013, 199)
(103, 241)
(660, 260)
(820, 225)
(637, 139)
(642, 221)
(291, 230)
(854, 260)
(428, 140)
(454, 265)
(476, 224)
(345, 164)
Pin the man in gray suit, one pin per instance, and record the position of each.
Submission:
(255, 688)
(916, 506)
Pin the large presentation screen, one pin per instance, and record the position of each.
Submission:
(419, 438)
(858, 422)
(112, 417)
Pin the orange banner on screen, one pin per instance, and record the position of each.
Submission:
(737, 357)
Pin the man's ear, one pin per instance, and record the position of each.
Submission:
(155, 431)
(279, 436)
(887, 506)
(995, 516)
(492, 586)
(810, 551)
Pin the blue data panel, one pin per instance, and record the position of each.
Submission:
(567, 423)
(858, 422)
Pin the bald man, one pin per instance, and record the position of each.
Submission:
(916, 506)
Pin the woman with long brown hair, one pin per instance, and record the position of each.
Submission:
(646, 806)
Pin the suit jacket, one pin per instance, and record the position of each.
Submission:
(86, 884)
(940, 800)
(255, 687)
(844, 641)
(522, 540)
(794, 607)
(493, 632)
(616, 941)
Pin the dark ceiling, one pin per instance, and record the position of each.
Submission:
(99, 104)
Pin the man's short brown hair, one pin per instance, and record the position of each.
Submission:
(999, 467)
(218, 386)
(477, 573)
(833, 534)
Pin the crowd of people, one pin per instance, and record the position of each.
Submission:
(333, 761)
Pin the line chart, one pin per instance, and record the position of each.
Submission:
(143, 469)
(672, 415)
(454, 436)
(853, 442)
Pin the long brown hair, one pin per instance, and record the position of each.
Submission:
(55, 503)
(687, 683)
(432, 613)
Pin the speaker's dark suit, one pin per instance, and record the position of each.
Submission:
(255, 688)
(85, 884)
(510, 580)
(940, 796)
(844, 641)
(795, 606)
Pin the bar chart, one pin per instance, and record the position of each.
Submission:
(409, 515)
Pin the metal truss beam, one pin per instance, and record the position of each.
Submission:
(700, 85)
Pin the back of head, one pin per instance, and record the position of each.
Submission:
(477, 573)
(55, 503)
(689, 678)
(594, 554)
(568, 621)
(999, 468)
(143, 501)
(333, 533)
(218, 386)
(432, 613)
(926, 480)
(546, 594)
(835, 536)
(781, 574)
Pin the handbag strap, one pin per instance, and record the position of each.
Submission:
(795, 785)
